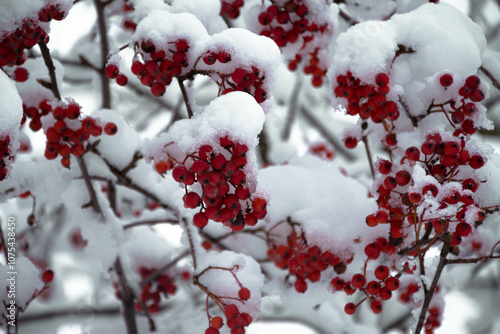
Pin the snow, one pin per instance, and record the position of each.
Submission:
(14, 12)
(207, 11)
(12, 112)
(317, 195)
(27, 282)
(222, 283)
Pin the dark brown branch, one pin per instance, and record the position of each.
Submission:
(321, 129)
(106, 95)
(127, 298)
(472, 260)
(154, 276)
(191, 243)
(347, 17)
(4, 244)
(428, 297)
(292, 110)
(490, 76)
(369, 155)
(150, 223)
(93, 197)
(186, 97)
(50, 67)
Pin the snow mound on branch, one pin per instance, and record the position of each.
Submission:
(236, 115)
(14, 12)
(330, 207)
(222, 282)
(414, 48)
(207, 11)
(10, 115)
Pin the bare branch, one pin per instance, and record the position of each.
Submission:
(50, 67)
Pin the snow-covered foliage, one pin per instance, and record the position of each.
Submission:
(179, 168)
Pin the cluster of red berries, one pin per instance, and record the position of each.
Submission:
(5, 156)
(235, 320)
(127, 20)
(225, 197)
(158, 67)
(113, 72)
(35, 114)
(322, 150)
(69, 134)
(248, 80)
(285, 24)
(231, 8)
(367, 101)
(399, 198)
(14, 44)
(377, 290)
(305, 263)
(152, 292)
(462, 114)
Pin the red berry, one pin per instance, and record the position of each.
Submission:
(47, 276)
(350, 308)
(382, 79)
(446, 80)
(210, 58)
(182, 45)
(110, 128)
(191, 200)
(350, 142)
(111, 71)
(412, 153)
(138, 68)
(384, 167)
(392, 283)
(300, 285)
(476, 161)
(200, 220)
(21, 74)
(358, 281)
(473, 82)
(403, 178)
(244, 294)
(121, 79)
(376, 306)
(373, 288)
(382, 272)
(158, 89)
(223, 57)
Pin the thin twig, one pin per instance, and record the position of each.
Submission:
(292, 110)
(93, 197)
(154, 276)
(186, 97)
(347, 17)
(150, 222)
(494, 81)
(369, 155)
(127, 298)
(321, 129)
(472, 260)
(191, 243)
(50, 67)
(428, 297)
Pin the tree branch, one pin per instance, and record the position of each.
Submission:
(93, 197)
(186, 97)
(321, 129)
(428, 297)
(106, 95)
(494, 81)
(50, 67)
(127, 298)
(292, 109)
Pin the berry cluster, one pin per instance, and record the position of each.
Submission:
(401, 201)
(152, 292)
(14, 44)
(463, 113)
(5, 156)
(225, 196)
(291, 23)
(322, 150)
(231, 8)
(305, 263)
(35, 114)
(158, 66)
(369, 102)
(377, 286)
(248, 80)
(69, 134)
